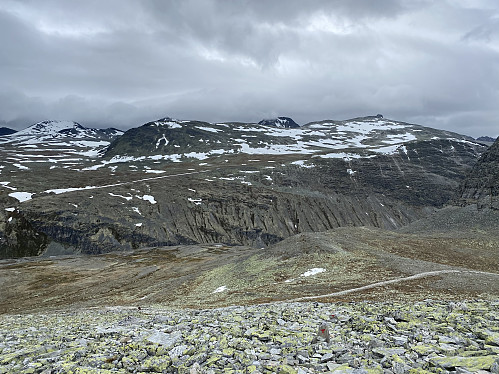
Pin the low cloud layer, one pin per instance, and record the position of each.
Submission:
(121, 63)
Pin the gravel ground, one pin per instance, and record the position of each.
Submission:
(365, 337)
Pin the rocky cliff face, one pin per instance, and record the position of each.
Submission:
(176, 182)
(481, 185)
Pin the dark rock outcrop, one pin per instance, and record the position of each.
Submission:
(19, 237)
(481, 185)
(6, 131)
(284, 122)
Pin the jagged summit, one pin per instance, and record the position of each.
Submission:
(283, 122)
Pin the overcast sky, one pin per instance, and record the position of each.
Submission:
(122, 63)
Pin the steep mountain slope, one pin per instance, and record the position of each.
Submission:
(173, 182)
(481, 186)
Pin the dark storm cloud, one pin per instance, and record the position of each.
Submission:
(121, 63)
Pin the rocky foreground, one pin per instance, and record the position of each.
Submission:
(365, 337)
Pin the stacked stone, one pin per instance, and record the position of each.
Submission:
(366, 337)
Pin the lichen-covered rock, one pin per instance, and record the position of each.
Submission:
(469, 363)
(268, 338)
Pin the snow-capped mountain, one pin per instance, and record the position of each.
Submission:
(56, 142)
(58, 129)
(171, 139)
(53, 128)
(283, 122)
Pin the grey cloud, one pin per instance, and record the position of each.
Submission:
(487, 31)
(121, 63)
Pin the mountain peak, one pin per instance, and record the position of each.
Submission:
(284, 122)
(51, 128)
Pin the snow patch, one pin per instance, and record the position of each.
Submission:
(5, 185)
(220, 289)
(149, 198)
(302, 164)
(158, 143)
(343, 155)
(313, 271)
(152, 171)
(58, 191)
(210, 129)
(22, 167)
(195, 201)
(123, 197)
(169, 124)
(389, 150)
(21, 196)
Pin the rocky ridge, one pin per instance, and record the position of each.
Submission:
(365, 337)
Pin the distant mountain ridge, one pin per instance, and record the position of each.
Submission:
(54, 128)
(174, 139)
(283, 122)
(486, 139)
(59, 143)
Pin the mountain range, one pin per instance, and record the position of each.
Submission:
(69, 189)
